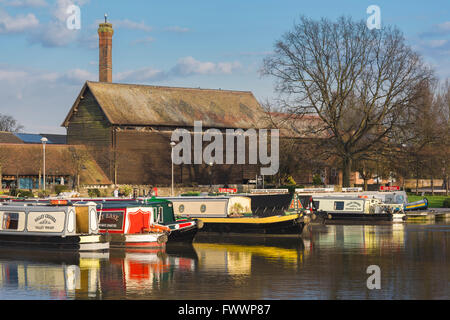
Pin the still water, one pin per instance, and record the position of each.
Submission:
(329, 262)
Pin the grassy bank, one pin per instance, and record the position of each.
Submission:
(433, 201)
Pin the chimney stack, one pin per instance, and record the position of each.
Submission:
(105, 33)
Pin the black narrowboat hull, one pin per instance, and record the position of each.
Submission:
(184, 235)
(274, 225)
(56, 243)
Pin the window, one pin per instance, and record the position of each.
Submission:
(339, 205)
(10, 221)
(160, 214)
(202, 208)
(316, 204)
(181, 208)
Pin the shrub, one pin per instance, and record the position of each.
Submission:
(290, 181)
(43, 193)
(60, 188)
(317, 180)
(25, 194)
(94, 193)
(126, 190)
(446, 203)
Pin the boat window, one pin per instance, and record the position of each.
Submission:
(181, 208)
(316, 204)
(160, 214)
(339, 205)
(203, 208)
(10, 221)
(400, 199)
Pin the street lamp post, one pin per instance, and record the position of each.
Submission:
(44, 141)
(210, 175)
(172, 144)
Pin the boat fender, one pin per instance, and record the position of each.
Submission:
(162, 239)
(200, 224)
(306, 220)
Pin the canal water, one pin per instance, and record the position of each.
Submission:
(329, 262)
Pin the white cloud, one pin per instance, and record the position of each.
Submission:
(25, 3)
(144, 40)
(128, 24)
(55, 33)
(444, 26)
(18, 24)
(190, 66)
(140, 75)
(177, 29)
(78, 76)
(185, 67)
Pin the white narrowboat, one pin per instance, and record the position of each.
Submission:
(54, 226)
(339, 207)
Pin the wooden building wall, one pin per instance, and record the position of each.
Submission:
(144, 157)
(90, 127)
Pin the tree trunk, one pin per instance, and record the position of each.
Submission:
(432, 186)
(346, 172)
(446, 185)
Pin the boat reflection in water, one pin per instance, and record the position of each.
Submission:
(235, 255)
(27, 275)
(143, 274)
(49, 275)
(362, 237)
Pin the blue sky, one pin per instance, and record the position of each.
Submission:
(208, 44)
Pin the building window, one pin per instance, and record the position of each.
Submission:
(339, 205)
(10, 221)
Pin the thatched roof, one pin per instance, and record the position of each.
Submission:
(9, 137)
(26, 160)
(143, 105)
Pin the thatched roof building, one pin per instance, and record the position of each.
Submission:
(25, 162)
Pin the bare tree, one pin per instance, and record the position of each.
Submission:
(8, 123)
(78, 158)
(359, 82)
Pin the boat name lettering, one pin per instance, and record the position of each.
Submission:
(45, 216)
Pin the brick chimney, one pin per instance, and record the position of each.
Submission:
(105, 33)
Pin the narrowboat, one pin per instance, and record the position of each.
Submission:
(417, 205)
(233, 215)
(132, 225)
(358, 208)
(54, 226)
(181, 230)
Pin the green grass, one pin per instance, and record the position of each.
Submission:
(433, 201)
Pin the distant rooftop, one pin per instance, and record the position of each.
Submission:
(14, 137)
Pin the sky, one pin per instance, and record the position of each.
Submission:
(209, 44)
